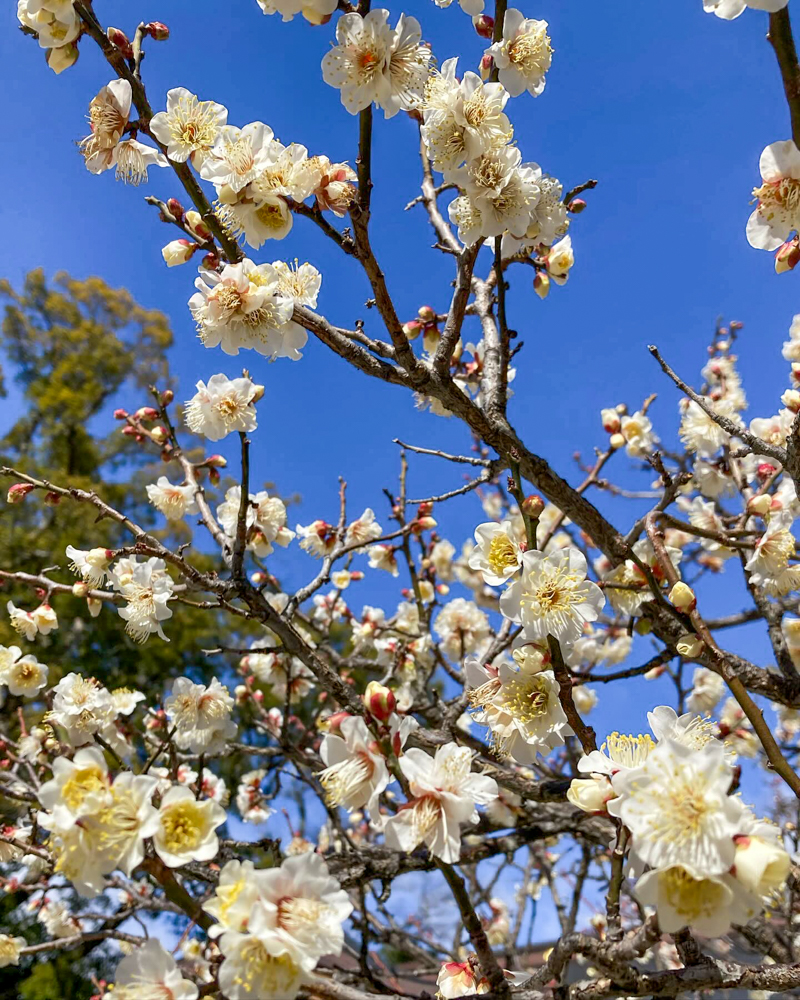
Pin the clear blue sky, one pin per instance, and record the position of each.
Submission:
(669, 108)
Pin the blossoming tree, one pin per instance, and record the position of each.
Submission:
(446, 740)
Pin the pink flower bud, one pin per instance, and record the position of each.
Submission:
(217, 461)
(576, 206)
(130, 431)
(333, 722)
(178, 252)
(145, 413)
(214, 476)
(787, 256)
(765, 470)
(120, 414)
(194, 220)
(486, 66)
(483, 25)
(121, 40)
(211, 261)
(412, 329)
(175, 208)
(52, 499)
(159, 434)
(18, 492)
(379, 701)
(533, 505)
(157, 31)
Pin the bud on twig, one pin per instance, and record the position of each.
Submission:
(52, 499)
(167, 396)
(533, 505)
(158, 31)
(18, 492)
(159, 434)
(682, 596)
(120, 414)
(787, 256)
(175, 208)
(379, 701)
(576, 206)
(483, 25)
(541, 285)
(121, 40)
(760, 504)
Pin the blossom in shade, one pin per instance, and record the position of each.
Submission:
(445, 793)
(188, 126)
(222, 407)
(685, 896)
(10, 949)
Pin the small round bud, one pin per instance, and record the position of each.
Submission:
(159, 434)
(426, 314)
(787, 256)
(334, 722)
(158, 31)
(533, 505)
(52, 499)
(175, 208)
(121, 40)
(80, 589)
(760, 504)
(258, 578)
(145, 413)
(616, 441)
(689, 645)
(483, 25)
(211, 261)
(178, 252)
(379, 701)
(791, 400)
(486, 66)
(194, 220)
(258, 394)
(764, 471)
(120, 414)
(576, 206)
(18, 492)
(412, 329)
(217, 461)
(167, 396)
(682, 596)
(129, 431)
(611, 421)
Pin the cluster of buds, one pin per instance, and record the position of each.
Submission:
(425, 324)
(612, 424)
(424, 520)
(180, 251)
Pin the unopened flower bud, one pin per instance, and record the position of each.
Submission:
(167, 396)
(120, 414)
(121, 40)
(62, 57)
(18, 492)
(616, 441)
(765, 470)
(787, 256)
(541, 285)
(576, 206)
(689, 645)
(159, 434)
(590, 794)
(52, 499)
(334, 722)
(241, 694)
(426, 314)
(258, 578)
(533, 505)
(682, 596)
(178, 252)
(759, 504)
(145, 413)
(379, 701)
(166, 454)
(258, 394)
(211, 261)
(486, 66)
(412, 329)
(611, 421)
(217, 461)
(483, 25)
(194, 220)
(791, 400)
(158, 31)
(80, 589)
(214, 476)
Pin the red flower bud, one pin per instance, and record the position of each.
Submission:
(145, 413)
(214, 476)
(764, 471)
(18, 492)
(121, 40)
(167, 396)
(175, 208)
(211, 261)
(158, 31)
(120, 414)
(52, 499)
(483, 25)
(379, 701)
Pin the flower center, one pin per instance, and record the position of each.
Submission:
(525, 698)
(692, 897)
(779, 196)
(82, 782)
(270, 216)
(502, 554)
(344, 778)
(239, 156)
(629, 751)
(182, 825)
(530, 52)
(192, 123)
(263, 974)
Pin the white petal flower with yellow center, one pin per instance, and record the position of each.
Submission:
(265, 520)
(24, 677)
(523, 54)
(151, 972)
(222, 407)
(551, 596)
(685, 896)
(237, 156)
(83, 707)
(778, 210)
(10, 949)
(497, 555)
(257, 965)
(174, 502)
(147, 592)
(56, 24)
(188, 126)
(619, 752)
(445, 793)
(301, 282)
(520, 706)
(79, 787)
(355, 771)
(364, 529)
(677, 807)
(462, 626)
(372, 62)
(503, 190)
(91, 566)
(187, 828)
(200, 715)
(234, 897)
(303, 908)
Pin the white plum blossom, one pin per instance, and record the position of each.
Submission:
(523, 54)
(497, 555)
(152, 971)
(82, 706)
(57, 23)
(187, 828)
(265, 520)
(174, 502)
(355, 771)
(363, 530)
(91, 566)
(314, 11)
(188, 127)
(147, 588)
(222, 407)
(686, 896)
(24, 676)
(501, 191)
(551, 596)
(250, 800)
(730, 9)
(445, 793)
(462, 626)
(373, 62)
(237, 156)
(778, 210)
(201, 715)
